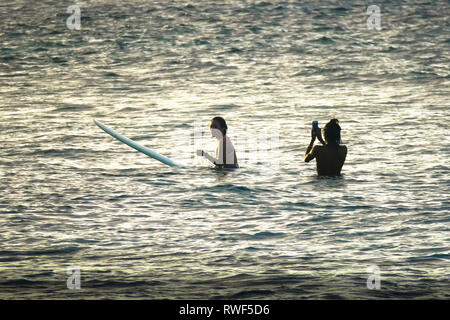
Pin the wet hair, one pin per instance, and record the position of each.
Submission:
(332, 132)
(219, 123)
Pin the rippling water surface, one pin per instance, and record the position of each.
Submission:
(156, 72)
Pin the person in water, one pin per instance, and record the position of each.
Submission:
(331, 156)
(225, 153)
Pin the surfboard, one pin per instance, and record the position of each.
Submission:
(138, 147)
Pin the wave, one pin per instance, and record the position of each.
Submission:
(323, 40)
(252, 294)
(72, 108)
(265, 235)
(41, 252)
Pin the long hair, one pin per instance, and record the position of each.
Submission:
(219, 123)
(332, 132)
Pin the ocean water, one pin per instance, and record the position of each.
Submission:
(157, 72)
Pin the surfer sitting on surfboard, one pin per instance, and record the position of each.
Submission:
(225, 153)
(331, 156)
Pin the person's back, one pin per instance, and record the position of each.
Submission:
(331, 156)
(330, 159)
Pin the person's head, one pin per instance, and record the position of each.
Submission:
(218, 127)
(332, 132)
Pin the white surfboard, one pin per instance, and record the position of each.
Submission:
(137, 146)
